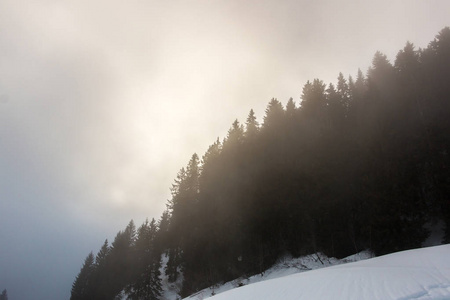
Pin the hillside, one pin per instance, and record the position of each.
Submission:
(414, 274)
(285, 266)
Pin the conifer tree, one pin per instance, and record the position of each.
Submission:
(146, 283)
(4, 295)
(80, 286)
(274, 115)
(290, 108)
(251, 126)
(337, 104)
(407, 62)
(343, 90)
(184, 201)
(120, 271)
(235, 137)
(163, 225)
(313, 98)
(100, 258)
(175, 232)
(99, 284)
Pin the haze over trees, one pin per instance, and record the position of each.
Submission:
(4, 295)
(359, 164)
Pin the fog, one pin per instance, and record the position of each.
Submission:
(102, 102)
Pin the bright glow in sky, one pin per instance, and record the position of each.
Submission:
(102, 102)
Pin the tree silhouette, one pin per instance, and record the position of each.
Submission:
(4, 295)
(80, 289)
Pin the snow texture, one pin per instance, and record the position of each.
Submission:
(285, 266)
(420, 274)
(170, 290)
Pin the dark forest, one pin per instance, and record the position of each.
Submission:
(359, 164)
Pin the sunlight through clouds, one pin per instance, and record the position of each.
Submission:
(102, 102)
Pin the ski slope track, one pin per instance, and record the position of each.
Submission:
(415, 274)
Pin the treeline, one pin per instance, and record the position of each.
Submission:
(129, 267)
(360, 164)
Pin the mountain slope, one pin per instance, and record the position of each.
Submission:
(414, 274)
(285, 266)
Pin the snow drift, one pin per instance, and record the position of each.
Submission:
(416, 274)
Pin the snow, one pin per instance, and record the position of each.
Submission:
(420, 274)
(170, 290)
(285, 266)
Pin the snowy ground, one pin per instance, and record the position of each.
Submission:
(284, 267)
(170, 289)
(420, 274)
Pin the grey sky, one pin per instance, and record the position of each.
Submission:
(102, 102)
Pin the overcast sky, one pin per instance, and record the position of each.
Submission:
(102, 102)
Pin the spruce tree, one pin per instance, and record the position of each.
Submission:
(235, 137)
(343, 90)
(251, 126)
(4, 295)
(274, 115)
(80, 289)
(146, 283)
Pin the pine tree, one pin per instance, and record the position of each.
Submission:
(4, 295)
(337, 105)
(290, 109)
(344, 92)
(146, 284)
(381, 81)
(235, 137)
(175, 227)
(274, 115)
(407, 62)
(211, 156)
(100, 258)
(101, 276)
(163, 225)
(81, 283)
(120, 258)
(313, 98)
(251, 126)
(185, 198)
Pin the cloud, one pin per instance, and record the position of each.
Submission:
(102, 102)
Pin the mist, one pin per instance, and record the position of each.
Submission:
(102, 102)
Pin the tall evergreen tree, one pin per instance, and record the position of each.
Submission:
(100, 277)
(80, 289)
(337, 107)
(274, 115)
(120, 271)
(4, 295)
(235, 137)
(100, 258)
(343, 90)
(184, 201)
(174, 252)
(290, 109)
(146, 283)
(407, 62)
(251, 126)
(313, 98)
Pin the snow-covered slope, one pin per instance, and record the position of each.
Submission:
(285, 266)
(416, 274)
